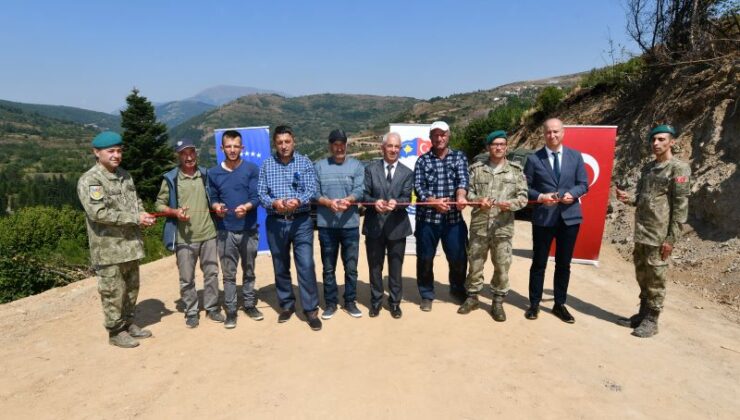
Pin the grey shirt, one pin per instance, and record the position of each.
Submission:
(339, 181)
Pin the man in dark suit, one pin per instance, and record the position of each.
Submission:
(557, 178)
(386, 226)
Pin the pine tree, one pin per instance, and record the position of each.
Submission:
(146, 155)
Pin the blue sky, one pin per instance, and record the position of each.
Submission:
(91, 53)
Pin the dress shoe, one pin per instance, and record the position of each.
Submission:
(396, 311)
(285, 315)
(313, 320)
(374, 311)
(561, 312)
(459, 297)
(532, 312)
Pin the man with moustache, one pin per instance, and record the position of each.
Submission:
(287, 184)
(662, 201)
(233, 186)
(556, 176)
(190, 231)
(114, 215)
(340, 183)
(441, 177)
(386, 226)
(501, 189)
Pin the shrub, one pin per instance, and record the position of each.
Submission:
(620, 75)
(549, 99)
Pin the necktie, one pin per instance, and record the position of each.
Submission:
(556, 165)
(388, 177)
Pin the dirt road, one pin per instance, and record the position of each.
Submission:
(55, 361)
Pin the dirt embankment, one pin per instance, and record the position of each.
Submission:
(702, 103)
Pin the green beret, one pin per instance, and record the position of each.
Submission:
(663, 128)
(495, 135)
(106, 139)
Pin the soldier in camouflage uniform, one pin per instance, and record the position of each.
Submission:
(501, 189)
(662, 201)
(114, 214)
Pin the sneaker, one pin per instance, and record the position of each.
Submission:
(254, 313)
(426, 305)
(136, 332)
(123, 339)
(230, 320)
(352, 309)
(192, 321)
(215, 315)
(285, 315)
(313, 320)
(329, 312)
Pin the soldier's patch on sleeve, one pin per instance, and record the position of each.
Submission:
(96, 192)
(681, 179)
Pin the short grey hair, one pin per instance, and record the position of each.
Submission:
(389, 135)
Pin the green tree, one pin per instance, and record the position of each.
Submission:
(146, 153)
(471, 139)
(547, 101)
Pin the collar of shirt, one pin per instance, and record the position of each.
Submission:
(278, 160)
(195, 174)
(550, 152)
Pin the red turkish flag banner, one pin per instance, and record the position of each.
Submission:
(596, 144)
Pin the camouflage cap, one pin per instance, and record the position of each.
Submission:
(106, 139)
(663, 128)
(498, 134)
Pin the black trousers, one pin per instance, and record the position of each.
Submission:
(376, 251)
(565, 240)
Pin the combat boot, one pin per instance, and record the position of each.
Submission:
(497, 310)
(470, 304)
(123, 339)
(635, 320)
(649, 325)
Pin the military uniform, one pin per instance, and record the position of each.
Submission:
(493, 229)
(662, 201)
(116, 246)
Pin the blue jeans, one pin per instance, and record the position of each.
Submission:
(231, 247)
(281, 233)
(454, 239)
(331, 239)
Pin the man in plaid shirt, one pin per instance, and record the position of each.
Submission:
(441, 177)
(286, 186)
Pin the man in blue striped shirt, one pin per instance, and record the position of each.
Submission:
(287, 184)
(341, 183)
(441, 177)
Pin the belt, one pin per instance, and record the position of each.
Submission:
(290, 216)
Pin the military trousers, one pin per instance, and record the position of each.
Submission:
(187, 256)
(478, 248)
(650, 271)
(118, 285)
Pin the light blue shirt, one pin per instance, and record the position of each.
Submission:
(339, 181)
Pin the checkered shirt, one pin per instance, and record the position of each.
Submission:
(439, 178)
(296, 179)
